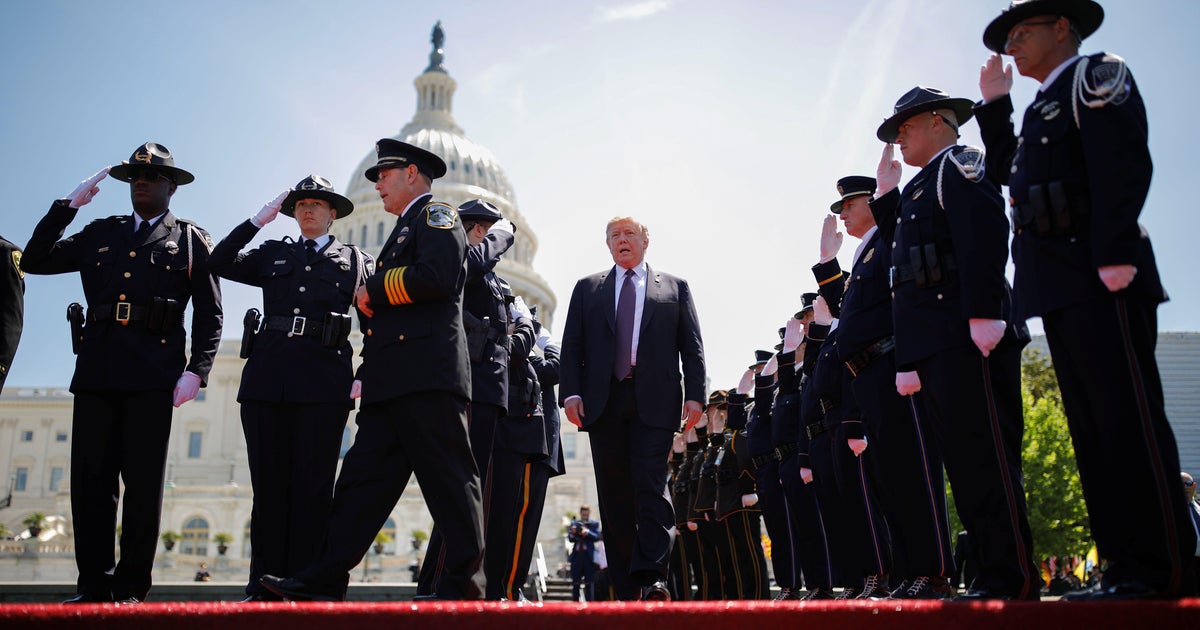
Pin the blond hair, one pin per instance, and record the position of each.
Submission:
(615, 220)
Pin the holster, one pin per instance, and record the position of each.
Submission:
(477, 336)
(1051, 209)
(75, 318)
(162, 315)
(336, 330)
(250, 325)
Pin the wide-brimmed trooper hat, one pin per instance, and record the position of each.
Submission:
(316, 187)
(1084, 15)
(923, 99)
(151, 156)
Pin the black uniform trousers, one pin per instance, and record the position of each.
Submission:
(718, 565)
(481, 427)
(680, 576)
(1103, 353)
(423, 433)
(866, 542)
(812, 508)
(907, 474)
(747, 578)
(974, 405)
(512, 499)
(776, 515)
(118, 437)
(293, 454)
(630, 458)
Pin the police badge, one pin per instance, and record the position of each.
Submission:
(172, 247)
(440, 216)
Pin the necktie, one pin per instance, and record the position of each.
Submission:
(139, 236)
(310, 248)
(625, 311)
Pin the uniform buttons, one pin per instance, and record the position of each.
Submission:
(128, 275)
(897, 220)
(1013, 169)
(939, 296)
(1018, 230)
(168, 267)
(912, 216)
(302, 289)
(401, 338)
(368, 332)
(1045, 140)
(164, 341)
(307, 268)
(121, 297)
(295, 311)
(1072, 239)
(133, 254)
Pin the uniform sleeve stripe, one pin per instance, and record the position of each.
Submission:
(393, 285)
(829, 279)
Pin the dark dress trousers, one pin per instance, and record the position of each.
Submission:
(776, 513)
(631, 423)
(413, 418)
(125, 373)
(12, 305)
(1078, 176)
(295, 391)
(948, 257)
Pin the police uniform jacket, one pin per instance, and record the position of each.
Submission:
(787, 429)
(1085, 162)
(949, 250)
(284, 367)
(866, 303)
(523, 430)
(680, 471)
(698, 508)
(545, 365)
(808, 413)
(482, 298)
(734, 474)
(12, 305)
(415, 342)
(171, 263)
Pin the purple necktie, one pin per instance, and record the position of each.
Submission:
(625, 311)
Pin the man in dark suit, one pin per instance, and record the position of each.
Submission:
(12, 305)
(583, 535)
(1078, 176)
(297, 384)
(139, 272)
(627, 331)
(415, 385)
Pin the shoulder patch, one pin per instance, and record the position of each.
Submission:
(969, 160)
(16, 258)
(441, 216)
(1103, 79)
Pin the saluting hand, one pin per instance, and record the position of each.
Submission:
(887, 174)
(772, 366)
(746, 385)
(87, 189)
(363, 300)
(995, 79)
(821, 312)
(574, 409)
(692, 412)
(793, 334)
(907, 383)
(270, 211)
(1117, 277)
(831, 239)
(986, 333)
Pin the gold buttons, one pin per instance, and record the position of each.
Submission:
(307, 268)
(121, 297)
(168, 267)
(133, 254)
(368, 332)
(401, 338)
(295, 311)
(128, 275)
(302, 289)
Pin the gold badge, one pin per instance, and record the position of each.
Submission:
(867, 256)
(918, 193)
(16, 256)
(139, 156)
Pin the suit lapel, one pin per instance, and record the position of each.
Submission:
(608, 298)
(160, 231)
(653, 288)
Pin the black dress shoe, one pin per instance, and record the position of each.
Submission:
(980, 595)
(656, 591)
(261, 597)
(817, 594)
(127, 601)
(1116, 592)
(432, 597)
(294, 590)
(88, 598)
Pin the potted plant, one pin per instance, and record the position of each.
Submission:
(35, 522)
(169, 538)
(418, 537)
(381, 539)
(222, 539)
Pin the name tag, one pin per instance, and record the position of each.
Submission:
(280, 262)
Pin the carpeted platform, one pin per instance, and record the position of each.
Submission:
(625, 616)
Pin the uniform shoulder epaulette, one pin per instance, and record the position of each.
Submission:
(440, 215)
(1100, 79)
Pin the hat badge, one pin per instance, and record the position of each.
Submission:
(841, 191)
(140, 156)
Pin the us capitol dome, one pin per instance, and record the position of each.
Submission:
(472, 173)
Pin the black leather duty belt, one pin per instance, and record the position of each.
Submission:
(119, 312)
(827, 404)
(864, 358)
(782, 452)
(815, 429)
(294, 326)
(762, 460)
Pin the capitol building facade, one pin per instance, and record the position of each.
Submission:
(207, 495)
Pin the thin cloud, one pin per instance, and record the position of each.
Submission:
(630, 12)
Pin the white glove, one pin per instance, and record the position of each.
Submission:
(995, 79)
(518, 309)
(186, 388)
(887, 174)
(793, 334)
(907, 383)
(858, 446)
(82, 195)
(1117, 277)
(746, 385)
(772, 366)
(831, 239)
(749, 500)
(806, 475)
(503, 226)
(821, 314)
(269, 211)
(986, 333)
(356, 389)
(543, 337)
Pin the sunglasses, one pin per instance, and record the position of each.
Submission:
(149, 175)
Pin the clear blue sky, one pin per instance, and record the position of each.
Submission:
(723, 125)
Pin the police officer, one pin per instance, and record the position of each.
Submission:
(296, 386)
(956, 339)
(12, 305)
(486, 320)
(737, 507)
(415, 388)
(901, 463)
(139, 272)
(1078, 176)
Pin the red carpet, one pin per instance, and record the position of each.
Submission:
(565, 616)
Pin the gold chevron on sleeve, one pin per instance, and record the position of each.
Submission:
(830, 279)
(393, 286)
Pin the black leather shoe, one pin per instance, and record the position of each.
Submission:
(127, 601)
(817, 593)
(656, 591)
(1116, 592)
(295, 590)
(980, 595)
(432, 597)
(87, 598)
(261, 597)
